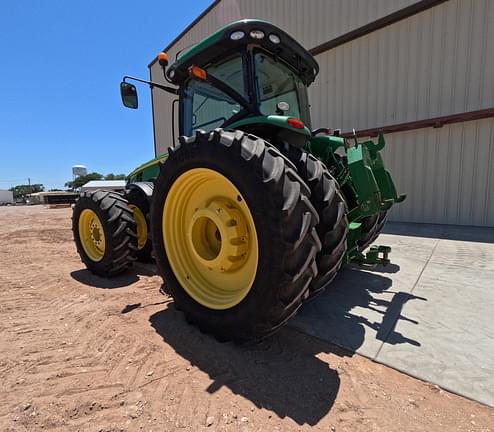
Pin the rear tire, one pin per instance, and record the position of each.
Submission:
(104, 232)
(282, 223)
(371, 228)
(333, 224)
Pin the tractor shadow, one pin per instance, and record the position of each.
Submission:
(281, 374)
(131, 276)
(286, 373)
(358, 310)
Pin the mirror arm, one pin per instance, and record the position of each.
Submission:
(152, 84)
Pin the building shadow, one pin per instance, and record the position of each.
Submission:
(282, 373)
(357, 301)
(445, 232)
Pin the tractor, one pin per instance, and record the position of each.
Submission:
(251, 212)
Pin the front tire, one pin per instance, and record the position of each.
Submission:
(234, 234)
(139, 204)
(104, 232)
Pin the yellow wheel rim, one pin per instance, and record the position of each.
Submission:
(210, 238)
(92, 235)
(142, 226)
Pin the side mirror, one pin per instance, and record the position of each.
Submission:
(129, 95)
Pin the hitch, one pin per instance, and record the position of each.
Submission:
(374, 256)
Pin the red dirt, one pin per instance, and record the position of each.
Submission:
(81, 353)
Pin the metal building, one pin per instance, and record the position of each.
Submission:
(6, 196)
(421, 70)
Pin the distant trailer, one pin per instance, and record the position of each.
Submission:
(61, 199)
(6, 197)
(53, 198)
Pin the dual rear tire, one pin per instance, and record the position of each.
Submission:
(234, 234)
(237, 232)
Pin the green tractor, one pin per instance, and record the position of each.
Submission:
(251, 213)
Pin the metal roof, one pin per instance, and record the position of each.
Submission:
(101, 184)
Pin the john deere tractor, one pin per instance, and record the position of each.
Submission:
(251, 212)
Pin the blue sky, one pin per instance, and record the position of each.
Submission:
(61, 63)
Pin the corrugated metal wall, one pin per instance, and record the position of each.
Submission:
(435, 63)
(311, 22)
(447, 173)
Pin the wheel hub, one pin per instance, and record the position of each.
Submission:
(210, 238)
(92, 235)
(218, 236)
(95, 234)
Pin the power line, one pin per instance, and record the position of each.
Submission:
(21, 179)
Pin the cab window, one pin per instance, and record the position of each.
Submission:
(276, 83)
(206, 107)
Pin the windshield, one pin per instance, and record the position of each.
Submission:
(206, 107)
(276, 83)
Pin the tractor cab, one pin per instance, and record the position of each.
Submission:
(249, 75)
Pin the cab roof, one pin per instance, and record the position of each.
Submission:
(219, 45)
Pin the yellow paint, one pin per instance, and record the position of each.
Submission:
(142, 226)
(92, 235)
(210, 238)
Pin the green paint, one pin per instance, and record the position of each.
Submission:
(210, 40)
(147, 171)
(367, 185)
(270, 120)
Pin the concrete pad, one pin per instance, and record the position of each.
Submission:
(471, 255)
(427, 314)
(455, 330)
(360, 309)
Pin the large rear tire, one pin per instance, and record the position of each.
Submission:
(333, 224)
(105, 232)
(371, 228)
(234, 234)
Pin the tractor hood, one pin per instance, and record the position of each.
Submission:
(245, 33)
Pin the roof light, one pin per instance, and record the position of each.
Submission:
(274, 38)
(198, 73)
(237, 35)
(256, 34)
(295, 123)
(163, 58)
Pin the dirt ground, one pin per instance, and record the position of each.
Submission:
(81, 353)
